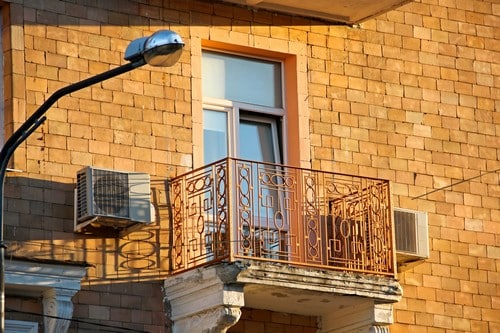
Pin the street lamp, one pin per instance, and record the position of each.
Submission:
(163, 48)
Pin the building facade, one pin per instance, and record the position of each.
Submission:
(267, 171)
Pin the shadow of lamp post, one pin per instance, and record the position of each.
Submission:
(163, 48)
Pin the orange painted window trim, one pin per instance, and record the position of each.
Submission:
(292, 153)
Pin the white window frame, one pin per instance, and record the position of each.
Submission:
(18, 326)
(258, 118)
(254, 113)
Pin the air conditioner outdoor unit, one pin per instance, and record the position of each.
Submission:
(110, 199)
(411, 231)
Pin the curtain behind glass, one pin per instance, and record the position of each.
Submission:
(242, 79)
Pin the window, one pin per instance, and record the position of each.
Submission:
(243, 113)
(242, 103)
(239, 88)
(17, 326)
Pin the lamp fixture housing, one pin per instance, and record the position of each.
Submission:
(163, 48)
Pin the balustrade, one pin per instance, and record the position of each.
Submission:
(236, 209)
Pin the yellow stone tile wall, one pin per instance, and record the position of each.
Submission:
(139, 121)
(437, 124)
(410, 96)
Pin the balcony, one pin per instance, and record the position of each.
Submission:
(235, 210)
(346, 11)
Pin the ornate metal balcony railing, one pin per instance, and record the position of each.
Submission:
(234, 209)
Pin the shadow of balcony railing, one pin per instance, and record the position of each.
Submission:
(236, 209)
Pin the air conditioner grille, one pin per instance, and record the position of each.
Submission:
(81, 202)
(406, 233)
(111, 193)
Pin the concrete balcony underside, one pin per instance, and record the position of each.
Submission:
(345, 11)
(210, 298)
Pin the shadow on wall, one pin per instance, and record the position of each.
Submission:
(132, 13)
(39, 224)
(126, 307)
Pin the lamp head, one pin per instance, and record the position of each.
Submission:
(163, 48)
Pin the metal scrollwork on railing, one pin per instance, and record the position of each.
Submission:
(339, 187)
(222, 228)
(312, 219)
(177, 202)
(245, 209)
(244, 205)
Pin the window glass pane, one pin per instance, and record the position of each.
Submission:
(257, 144)
(241, 79)
(215, 138)
(256, 141)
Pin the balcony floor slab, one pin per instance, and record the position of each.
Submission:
(366, 299)
(311, 292)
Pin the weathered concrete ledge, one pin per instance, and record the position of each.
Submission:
(211, 297)
(54, 281)
(382, 289)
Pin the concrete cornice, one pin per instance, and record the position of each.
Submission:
(43, 275)
(55, 282)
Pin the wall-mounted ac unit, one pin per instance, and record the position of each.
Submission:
(412, 235)
(110, 199)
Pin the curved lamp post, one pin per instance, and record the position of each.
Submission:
(163, 48)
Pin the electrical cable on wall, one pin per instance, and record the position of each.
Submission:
(457, 183)
(109, 328)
